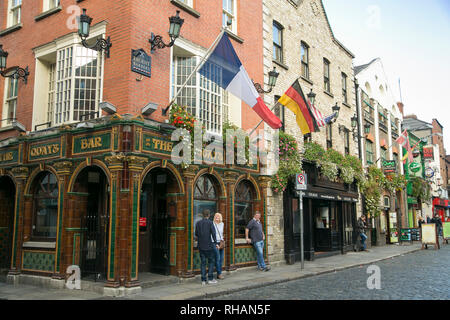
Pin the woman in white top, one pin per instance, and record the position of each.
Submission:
(218, 225)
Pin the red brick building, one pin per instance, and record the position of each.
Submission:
(98, 190)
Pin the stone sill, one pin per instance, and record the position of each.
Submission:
(6, 31)
(42, 245)
(48, 13)
(307, 80)
(234, 36)
(346, 104)
(328, 93)
(240, 241)
(186, 8)
(280, 64)
(7, 128)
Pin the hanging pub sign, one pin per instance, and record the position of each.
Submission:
(389, 166)
(429, 172)
(428, 153)
(141, 62)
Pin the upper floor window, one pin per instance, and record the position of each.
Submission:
(14, 12)
(329, 131)
(50, 4)
(187, 2)
(347, 142)
(10, 105)
(383, 154)
(229, 15)
(369, 152)
(277, 42)
(304, 54)
(203, 98)
(344, 87)
(326, 75)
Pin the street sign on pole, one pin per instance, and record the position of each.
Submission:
(300, 185)
(300, 181)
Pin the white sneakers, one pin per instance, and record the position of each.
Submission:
(213, 281)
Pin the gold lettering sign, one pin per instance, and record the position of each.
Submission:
(45, 150)
(8, 156)
(91, 143)
(158, 144)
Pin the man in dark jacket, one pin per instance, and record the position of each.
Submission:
(205, 234)
(437, 220)
(360, 228)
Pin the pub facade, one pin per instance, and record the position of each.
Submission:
(85, 145)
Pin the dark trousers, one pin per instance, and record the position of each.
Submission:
(210, 255)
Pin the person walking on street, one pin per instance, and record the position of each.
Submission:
(219, 251)
(205, 234)
(360, 226)
(428, 219)
(254, 234)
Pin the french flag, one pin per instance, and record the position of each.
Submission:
(224, 68)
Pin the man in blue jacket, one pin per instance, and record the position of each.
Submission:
(205, 234)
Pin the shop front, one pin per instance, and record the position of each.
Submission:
(110, 200)
(329, 212)
(439, 207)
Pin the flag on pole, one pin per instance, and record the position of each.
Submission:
(224, 68)
(404, 142)
(294, 100)
(318, 115)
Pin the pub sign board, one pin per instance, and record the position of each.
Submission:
(389, 166)
(428, 153)
(141, 62)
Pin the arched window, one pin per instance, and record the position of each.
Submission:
(243, 207)
(45, 206)
(205, 197)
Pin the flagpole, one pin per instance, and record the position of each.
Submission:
(206, 56)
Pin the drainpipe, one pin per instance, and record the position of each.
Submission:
(358, 115)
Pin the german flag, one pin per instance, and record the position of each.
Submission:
(294, 100)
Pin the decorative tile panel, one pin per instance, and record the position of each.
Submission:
(38, 261)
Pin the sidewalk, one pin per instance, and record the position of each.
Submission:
(241, 279)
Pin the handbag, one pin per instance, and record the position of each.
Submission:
(221, 242)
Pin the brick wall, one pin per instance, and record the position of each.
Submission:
(129, 24)
(306, 22)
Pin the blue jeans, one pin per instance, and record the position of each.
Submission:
(259, 247)
(207, 254)
(363, 240)
(219, 260)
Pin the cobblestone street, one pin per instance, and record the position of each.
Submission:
(419, 275)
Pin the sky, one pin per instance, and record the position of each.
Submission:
(412, 38)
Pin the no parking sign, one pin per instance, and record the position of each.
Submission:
(300, 181)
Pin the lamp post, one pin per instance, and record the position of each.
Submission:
(84, 27)
(176, 23)
(336, 109)
(15, 72)
(312, 97)
(273, 76)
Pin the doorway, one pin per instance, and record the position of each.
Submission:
(94, 221)
(7, 196)
(154, 221)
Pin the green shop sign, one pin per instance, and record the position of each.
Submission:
(44, 150)
(157, 144)
(91, 143)
(9, 156)
(389, 166)
(415, 167)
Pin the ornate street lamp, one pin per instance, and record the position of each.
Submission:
(15, 72)
(156, 41)
(273, 76)
(336, 109)
(312, 97)
(354, 121)
(84, 27)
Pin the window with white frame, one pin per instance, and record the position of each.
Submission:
(74, 85)
(229, 15)
(50, 4)
(203, 98)
(10, 106)
(14, 12)
(187, 2)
